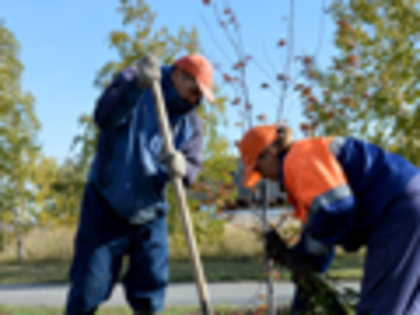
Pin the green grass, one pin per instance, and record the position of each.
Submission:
(57, 272)
(347, 266)
(37, 272)
(219, 270)
(122, 311)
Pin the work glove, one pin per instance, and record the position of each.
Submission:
(148, 71)
(277, 250)
(175, 163)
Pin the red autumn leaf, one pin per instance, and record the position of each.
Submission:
(282, 42)
(227, 77)
(346, 100)
(229, 185)
(239, 65)
(299, 87)
(306, 91)
(264, 85)
(341, 22)
(330, 115)
(280, 77)
(248, 106)
(312, 99)
(236, 101)
(344, 25)
(305, 127)
(262, 117)
(206, 1)
(365, 95)
(227, 11)
(313, 74)
(307, 60)
(352, 59)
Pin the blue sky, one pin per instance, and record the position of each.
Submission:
(64, 43)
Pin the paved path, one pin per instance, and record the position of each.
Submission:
(234, 294)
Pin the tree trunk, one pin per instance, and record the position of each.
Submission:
(2, 239)
(19, 248)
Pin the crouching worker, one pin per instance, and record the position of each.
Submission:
(124, 208)
(350, 193)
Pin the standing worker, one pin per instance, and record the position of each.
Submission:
(350, 193)
(124, 208)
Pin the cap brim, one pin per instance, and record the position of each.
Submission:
(208, 94)
(251, 178)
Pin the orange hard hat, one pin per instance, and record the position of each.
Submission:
(201, 70)
(253, 143)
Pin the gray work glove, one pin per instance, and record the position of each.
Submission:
(148, 71)
(175, 164)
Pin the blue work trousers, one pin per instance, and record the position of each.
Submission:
(102, 239)
(391, 283)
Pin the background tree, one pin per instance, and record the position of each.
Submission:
(371, 90)
(49, 179)
(18, 143)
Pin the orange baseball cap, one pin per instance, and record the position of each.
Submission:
(253, 143)
(201, 70)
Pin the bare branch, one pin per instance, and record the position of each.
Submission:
(290, 55)
(214, 39)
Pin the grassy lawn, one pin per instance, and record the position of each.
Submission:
(348, 266)
(123, 311)
(28, 273)
(344, 267)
